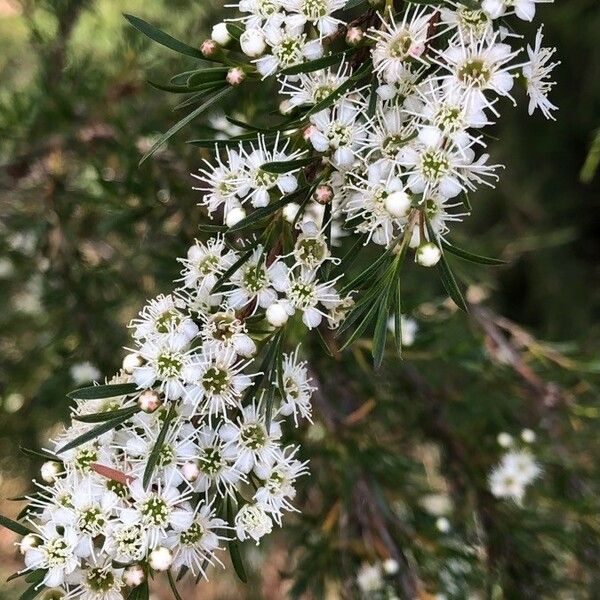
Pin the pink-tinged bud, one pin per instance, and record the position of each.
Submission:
(235, 76)
(354, 36)
(308, 132)
(190, 471)
(209, 47)
(416, 50)
(323, 194)
(134, 575)
(149, 401)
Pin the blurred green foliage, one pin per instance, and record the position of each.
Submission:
(86, 235)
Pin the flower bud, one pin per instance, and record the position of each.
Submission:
(323, 194)
(528, 436)
(220, 34)
(285, 107)
(252, 42)
(50, 471)
(277, 315)
(190, 471)
(308, 132)
(235, 76)
(504, 439)
(134, 575)
(149, 401)
(290, 211)
(131, 362)
(443, 524)
(390, 566)
(234, 216)
(208, 48)
(398, 203)
(28, 542)
(428, 254)
(354, 36)
(160, 559)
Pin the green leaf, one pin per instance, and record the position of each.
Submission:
(97, 392)
(446, 275)
(40, 454)
(352, 4)
(164, 39)
(380, 333)
(398, 318)
(211, 228)
(183, 122)
(235, 31)
(286, 166)
(108, 415)
(32, 591)
(211, 75)
(319, 63)
(222, 280)
(160, 440)
(275, 363)
(14, 526)
(141, 592)
(186, 89)
(234, 550)
(94, 433)
(474, 258)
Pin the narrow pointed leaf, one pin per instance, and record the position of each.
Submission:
(94, 433)
(229, 272)
(173, 586)
(14, 526)
(40, 454)
(234, 550)
(155, 454)
(380, 333)
(319, 63)
(287, 165)
(475, 258)
(164, 39)
(108, 415)
(398, 319)
(97, 392)
(183, 122)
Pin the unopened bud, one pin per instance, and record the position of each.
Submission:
(134, 575)
(354, 36)
(160, 559)
(50, 471)
(149, 401)
(220, 34)
(428, 254)
(323, 194)
(29, 542)
(132, 361)
(234, 216)
(190, 471)
(277, 315)
(253, 43)
(308, 132)
(235, 76)
(397, 203)
(290, 211)
(208, 47)
(285, 107)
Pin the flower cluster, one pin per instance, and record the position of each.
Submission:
(101, 520)
(517, 468)
(182, 452)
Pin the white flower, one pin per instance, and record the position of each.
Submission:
(252, 521)
(310, 249)
(166, 363)
(397, 42)
(255, 282)
(260, 12)
(516, 471)
(195, 547)
(223, 330)
(85, 372)
(340, 131)
(298, 388)
(247, 441)
(205, 262)
(156, 510)
(467, 21)
(216, 470)
(56, 554)
(409, 328)
(289, 47)
(524, 9)
(537, 74)
(222, 183)
(215, 382)
(316, 12)
(310, 88)
(258, 182)
(164, 316)
(278, 475)
(100, 581)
